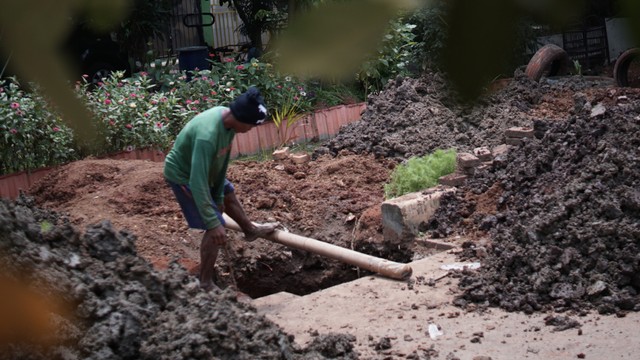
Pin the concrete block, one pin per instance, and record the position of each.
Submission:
(402, 216)
(483, 153)
(519, 132)
(281, 154)
(300, 158)
(466, 160)
(455, 179)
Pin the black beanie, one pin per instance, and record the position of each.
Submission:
(249, 107)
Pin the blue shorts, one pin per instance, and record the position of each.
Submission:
(188, 205)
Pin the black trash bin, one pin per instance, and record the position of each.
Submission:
(193, 57)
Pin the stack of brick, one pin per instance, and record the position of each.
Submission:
(284, 153)
(467, 164)
(514, 135)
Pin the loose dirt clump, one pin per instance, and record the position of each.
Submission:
(100, 300)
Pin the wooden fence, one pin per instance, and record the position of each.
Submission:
(317, 126)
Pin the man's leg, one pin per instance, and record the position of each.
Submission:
(208, 257)
(252, 231)
(208, 249)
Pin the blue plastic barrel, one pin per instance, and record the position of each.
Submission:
(193, 57)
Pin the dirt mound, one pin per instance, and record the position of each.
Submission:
(566, 229)
(117, 306)
(414, 117)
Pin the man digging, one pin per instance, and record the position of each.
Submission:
(196, 168)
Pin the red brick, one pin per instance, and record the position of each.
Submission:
(483, 153)
(466, 160)
(455, 179)
(519, 132)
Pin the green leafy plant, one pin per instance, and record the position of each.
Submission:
(392, 59)
(285, 119)
(420, 173)
(32, 135)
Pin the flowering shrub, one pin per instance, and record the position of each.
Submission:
(132, 115)
(31, 135)
(144, 111)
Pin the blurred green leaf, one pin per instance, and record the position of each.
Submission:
(334, 39)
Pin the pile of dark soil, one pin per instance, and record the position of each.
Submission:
(111, 304)
(414, 117)
(566, 233)
(559, 216)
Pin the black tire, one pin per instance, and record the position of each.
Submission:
(99, 70)
(621, 68)
(549, 60)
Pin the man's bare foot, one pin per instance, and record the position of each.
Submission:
(260, 230)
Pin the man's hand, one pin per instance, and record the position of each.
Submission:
(217, 235)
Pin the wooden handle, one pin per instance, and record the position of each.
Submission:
(380, 266)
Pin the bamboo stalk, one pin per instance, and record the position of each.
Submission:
(380, 266)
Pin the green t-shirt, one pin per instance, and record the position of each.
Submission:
(199, 158)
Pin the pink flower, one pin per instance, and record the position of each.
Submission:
(228, 60)
(143, 73)
(154, 102)
(214, 93)
(189, 102)
(146, 115)
(239, 67)
(107, 101)
(111, 122)
(85, 76)
(56, 129)
(100, 83)
(196, 102)
(212, 55)
(13, 131)
(129, 126)
(15, 105)
(132, 95)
